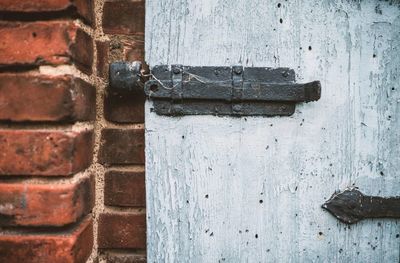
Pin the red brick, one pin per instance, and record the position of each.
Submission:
(122, 146)
(45, 43)
(134, 51)
(124, 108)
(83, 7)
(73, 245)
(27, 204)
(124, 17)
(122, 231)
(25, 97)
(120, 257)
(102, 58)
(34, 6)
(47, 153)
(124, 189)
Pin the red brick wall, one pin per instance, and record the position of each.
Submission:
(122, 222)
(71, 151)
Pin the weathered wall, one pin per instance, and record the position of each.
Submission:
(71, 152)
(47, 113)
(251, 189)
(120, 207)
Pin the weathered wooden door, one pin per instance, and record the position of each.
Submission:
(250, 189)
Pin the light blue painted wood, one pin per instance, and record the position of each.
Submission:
(205, 175)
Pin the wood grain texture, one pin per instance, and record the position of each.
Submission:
(223, 189)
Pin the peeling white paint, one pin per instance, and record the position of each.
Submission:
(206, 176)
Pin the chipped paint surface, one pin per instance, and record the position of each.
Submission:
(223, 189)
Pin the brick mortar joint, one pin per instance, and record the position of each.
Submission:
(45, 231)
(63, 70)
(96, 168)
(139, 168)
(115, 210)
(43, 180)
(49, 126)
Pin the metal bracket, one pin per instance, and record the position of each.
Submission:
(237, 91)
(351, 206)
(126, 77)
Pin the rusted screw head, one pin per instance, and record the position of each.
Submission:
(237, 108)
(176, 70)
(238, 70)
(285, 74)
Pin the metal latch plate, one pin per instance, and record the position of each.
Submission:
(236, 91)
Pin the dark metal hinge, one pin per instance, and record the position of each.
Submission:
(238, 91)
(351, 206)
